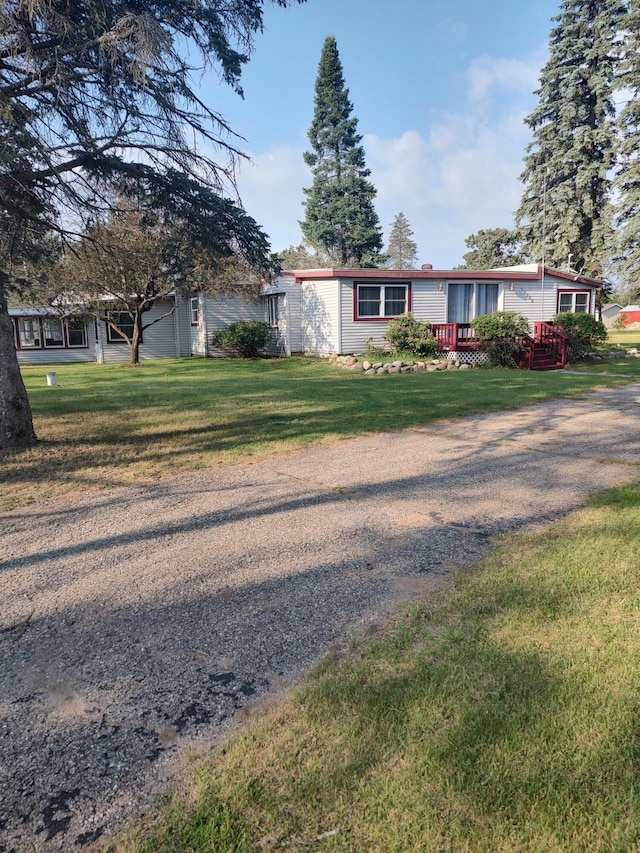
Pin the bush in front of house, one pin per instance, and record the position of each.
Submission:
(406, 334)
(247, 338)
(584, 333)
(502, 332)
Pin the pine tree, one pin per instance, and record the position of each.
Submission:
(402, 250)
(564, 211)
(492, 248)
(627, 181)
(340, 218)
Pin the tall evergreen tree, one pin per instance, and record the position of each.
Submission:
(402, 250)
(564, 210)
(492, 248)
(627, 181)
(340, 217)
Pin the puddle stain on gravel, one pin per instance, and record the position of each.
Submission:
(130, 742)
(57, 814)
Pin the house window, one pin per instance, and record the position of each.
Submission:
(76, 333)
(272, 311)
(381, 301)
(52, 332)
(573, 301)
(195, 311)
(29, 334)
(124, 323)
(471, 299)
(49, 333)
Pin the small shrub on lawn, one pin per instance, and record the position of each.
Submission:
(247, 338)
(407, 334)
(583, 332)
(502, 331)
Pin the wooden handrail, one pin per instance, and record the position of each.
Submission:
(553, 339)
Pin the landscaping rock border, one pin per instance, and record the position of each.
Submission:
(360, 364)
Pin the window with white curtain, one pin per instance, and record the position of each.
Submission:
(471, 299)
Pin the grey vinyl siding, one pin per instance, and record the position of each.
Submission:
(183, 325)
(287, 338)
(159, 340)
(320, 317)
(427, 305)
(527, 297)
(294, 319)
(222, 311)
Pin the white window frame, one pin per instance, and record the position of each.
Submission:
(273, 311)
(382, 300)
(82, 327)
(573, 294)
(36, 328)
(194, 307)
(46, 321)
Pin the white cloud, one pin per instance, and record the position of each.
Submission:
(270, 188)
(451, 180)
(486, 74)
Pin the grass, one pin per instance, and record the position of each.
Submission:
(109, 425)
(503, 716)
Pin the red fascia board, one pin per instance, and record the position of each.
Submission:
(574, 277)
(449, 275)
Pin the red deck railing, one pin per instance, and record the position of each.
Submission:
(455, 336)
(552, 339)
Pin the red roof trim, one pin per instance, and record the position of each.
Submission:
(450, 275)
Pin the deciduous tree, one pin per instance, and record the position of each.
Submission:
(97, 92)
(340, 217)
(564, 213)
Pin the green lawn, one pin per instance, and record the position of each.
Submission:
(106, 425)
(502, 716)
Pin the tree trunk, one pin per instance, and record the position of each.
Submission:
(134, 346)
(16, 425)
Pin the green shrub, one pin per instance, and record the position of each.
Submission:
(407, 334)
(247, 338)
(583, 332)
(502, 332)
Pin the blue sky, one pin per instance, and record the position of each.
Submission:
(440, 90)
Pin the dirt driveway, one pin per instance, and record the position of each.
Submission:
(136, 623)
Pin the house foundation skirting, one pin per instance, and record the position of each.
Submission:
(475, 359)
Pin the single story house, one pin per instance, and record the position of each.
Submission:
(180, 327)
(321, 312)
(325, 311)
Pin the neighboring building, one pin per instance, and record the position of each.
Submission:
(629, 315)
(610, 313)
(318, 312)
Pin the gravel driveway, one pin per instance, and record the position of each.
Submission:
(136, 623)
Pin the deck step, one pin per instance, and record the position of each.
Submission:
(541, 359)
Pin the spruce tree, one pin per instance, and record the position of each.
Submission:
(492, 248)
(340, 218)
(402, 250)
(627, 181)
(564, 211)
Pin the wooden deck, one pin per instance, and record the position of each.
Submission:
(546, 349)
